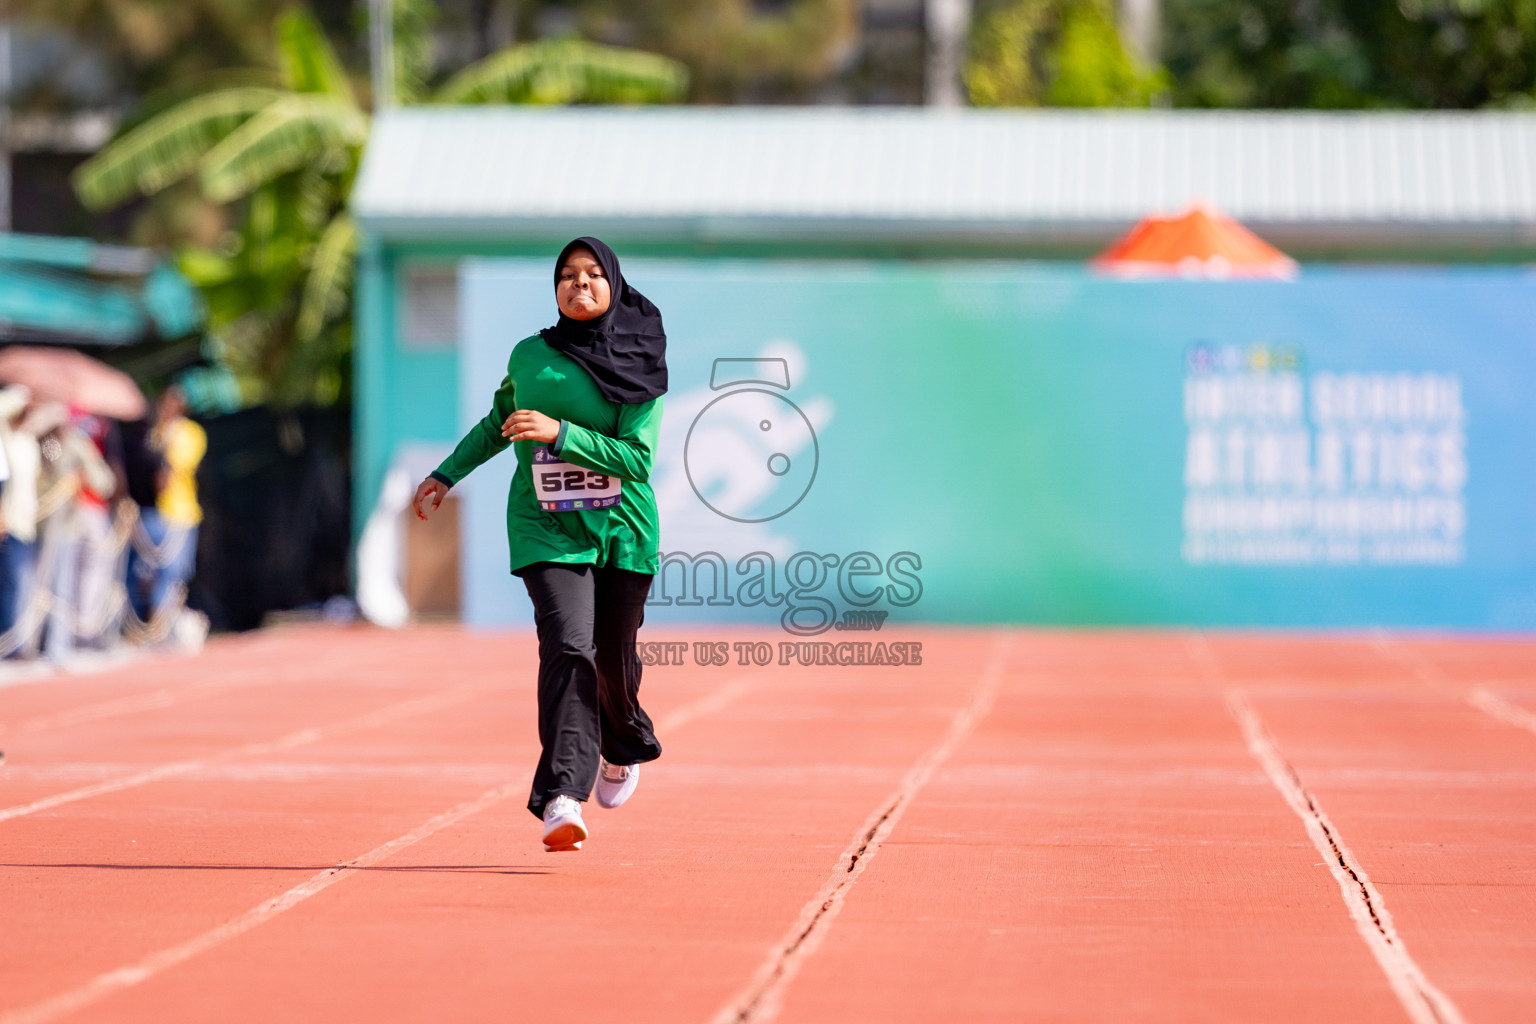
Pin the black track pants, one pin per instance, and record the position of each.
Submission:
(589, 675)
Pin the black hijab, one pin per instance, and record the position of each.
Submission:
(625, 349)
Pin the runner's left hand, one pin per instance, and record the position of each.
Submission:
(529, 425)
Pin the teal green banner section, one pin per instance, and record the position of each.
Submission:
(852, 443)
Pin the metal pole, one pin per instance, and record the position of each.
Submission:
(5, 125)
(948, 24)
(1140, 25)
(381, 51)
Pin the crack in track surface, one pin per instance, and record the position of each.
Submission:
(751, 1009)
(1425, 1003)
(761, 1000)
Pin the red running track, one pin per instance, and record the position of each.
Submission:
(328, 825)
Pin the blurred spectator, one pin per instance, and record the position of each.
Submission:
(74, 468)
(5, 468)
(97, 557)
(18, 524)
(160, 576)
(22, 426)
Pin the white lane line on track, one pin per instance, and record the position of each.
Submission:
(152, 701)
(416, 706)
(1480, 697)
(1417, 664)
(121, 978)
(170, 696)
(104, 985)
(711, 703)
(80, 666)
(1511, 714)
(763, 997)
(1425, 1003)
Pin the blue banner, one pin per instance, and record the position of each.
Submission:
(848, 443)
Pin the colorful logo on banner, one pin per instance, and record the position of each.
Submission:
(1285, 467)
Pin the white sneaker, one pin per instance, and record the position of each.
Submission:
(615, 782)
(563, 827)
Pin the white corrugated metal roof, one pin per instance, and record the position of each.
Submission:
(734, 172)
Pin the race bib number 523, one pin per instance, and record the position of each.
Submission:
(562, 487)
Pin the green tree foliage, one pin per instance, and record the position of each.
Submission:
(145, 46)
(283, 159)
(1060, 53)
(1092, 67)
(1351, 53)
(286, 157)
(566, 71)
(414, 22)
(735, 50)
(1006, 65)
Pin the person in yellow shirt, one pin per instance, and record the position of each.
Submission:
(171, 526)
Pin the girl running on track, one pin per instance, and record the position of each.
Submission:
(581, 405)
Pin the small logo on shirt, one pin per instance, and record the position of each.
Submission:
(550, 373)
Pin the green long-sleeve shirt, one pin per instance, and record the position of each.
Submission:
(596, 434)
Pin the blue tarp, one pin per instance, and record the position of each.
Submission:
(88, 293)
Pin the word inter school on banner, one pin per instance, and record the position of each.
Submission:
(786, 652)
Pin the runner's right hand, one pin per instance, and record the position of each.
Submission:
(429, 494)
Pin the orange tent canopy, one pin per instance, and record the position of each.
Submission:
(1198, 243)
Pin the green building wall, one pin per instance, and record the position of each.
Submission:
(402, 395)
